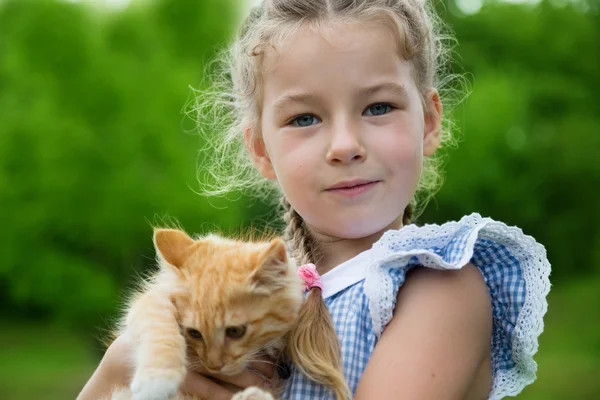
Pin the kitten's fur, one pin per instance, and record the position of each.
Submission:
(209, 285)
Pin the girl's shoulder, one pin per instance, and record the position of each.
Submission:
(513, 265)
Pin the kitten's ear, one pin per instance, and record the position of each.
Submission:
(172, 246)
(272, 267)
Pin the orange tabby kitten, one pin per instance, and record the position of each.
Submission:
(221, 300)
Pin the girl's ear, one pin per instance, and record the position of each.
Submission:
(258, 152)
(433, 123)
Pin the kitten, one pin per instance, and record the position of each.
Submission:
(223, 301)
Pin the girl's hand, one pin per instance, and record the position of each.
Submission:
(115, 369)
(215, 386)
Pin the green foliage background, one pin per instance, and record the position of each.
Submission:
(94, 148)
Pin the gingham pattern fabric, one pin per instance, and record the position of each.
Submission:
(514, 268)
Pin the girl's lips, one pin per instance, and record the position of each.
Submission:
(352, 188)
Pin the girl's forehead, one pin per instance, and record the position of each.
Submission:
(339, 39)
(339, 55)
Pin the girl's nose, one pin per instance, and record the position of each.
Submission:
(345, 146)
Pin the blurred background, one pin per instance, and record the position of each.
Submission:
(95, 147)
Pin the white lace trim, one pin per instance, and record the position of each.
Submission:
(379, 289)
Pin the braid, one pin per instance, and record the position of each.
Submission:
(313, 344)
(297, 236)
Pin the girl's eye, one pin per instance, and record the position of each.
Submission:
(235, 332)
(194, 333)
(378, 109)
(305, 120)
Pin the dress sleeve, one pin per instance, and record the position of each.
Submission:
(514, 267)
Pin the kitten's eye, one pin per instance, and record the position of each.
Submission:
(194, 333)
(378, 109)
(235, 332)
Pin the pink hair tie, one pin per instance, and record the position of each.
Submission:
(310, 277)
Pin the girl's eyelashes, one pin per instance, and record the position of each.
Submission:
(304, 121)
(373, 110)
(377, 109)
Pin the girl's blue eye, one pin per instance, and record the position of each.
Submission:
(305, 120)
(378, 109)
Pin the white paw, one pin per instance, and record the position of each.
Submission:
(158, 385)
(253, 393)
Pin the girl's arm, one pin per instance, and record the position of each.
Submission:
(112, 371)
(437, 345)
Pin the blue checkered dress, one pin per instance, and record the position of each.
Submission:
(361, 295)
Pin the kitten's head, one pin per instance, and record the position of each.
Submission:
(234, 298)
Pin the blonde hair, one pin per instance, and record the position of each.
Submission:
(233, 103)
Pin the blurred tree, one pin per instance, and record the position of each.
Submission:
(92, 146)
(93, 143)
(530, 130)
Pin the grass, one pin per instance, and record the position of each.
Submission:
(38, 362)
(51, 363)
(569, 355)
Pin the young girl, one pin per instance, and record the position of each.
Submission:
(337, 103)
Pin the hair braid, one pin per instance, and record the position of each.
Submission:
(299, 240)
(313, 344)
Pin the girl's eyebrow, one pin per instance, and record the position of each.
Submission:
(304, 97)
(283, 101)
(390, 87)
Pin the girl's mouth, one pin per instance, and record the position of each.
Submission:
(353, 187)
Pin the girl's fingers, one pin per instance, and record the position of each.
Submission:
(204, 388)
(245, 379)
(265, 366)
(259, 373)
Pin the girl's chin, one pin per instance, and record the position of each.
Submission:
(362, 229)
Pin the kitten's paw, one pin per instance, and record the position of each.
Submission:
(253, 393)
(155, 385)
(119, 394)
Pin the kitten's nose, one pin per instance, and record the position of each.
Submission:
(215, 366)
(214, 360)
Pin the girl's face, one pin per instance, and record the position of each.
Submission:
(343, 128)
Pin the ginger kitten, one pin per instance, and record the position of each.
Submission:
(222, 301)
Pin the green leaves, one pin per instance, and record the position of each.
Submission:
(530, 129)
(92, 147)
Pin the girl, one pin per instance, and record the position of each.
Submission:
(337, 102)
